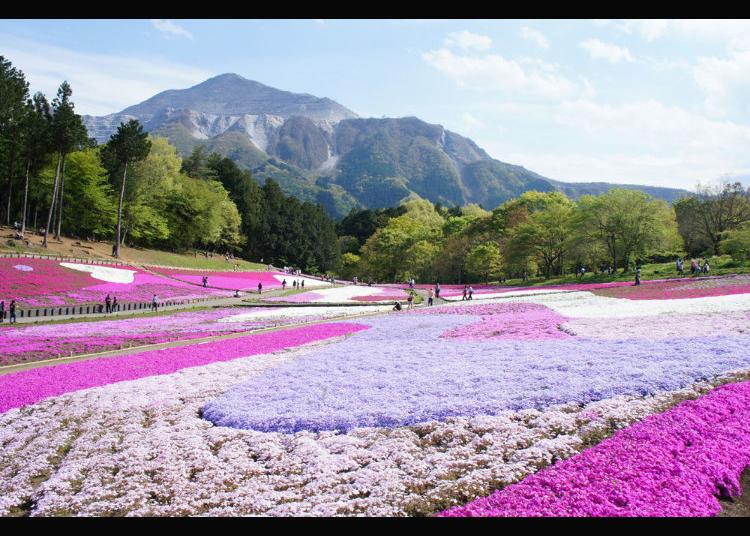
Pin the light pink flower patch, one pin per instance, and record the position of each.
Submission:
(30, 386)
(514, 321)
(304, 297)
(681, 288)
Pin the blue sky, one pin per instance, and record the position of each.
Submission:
(645, 101)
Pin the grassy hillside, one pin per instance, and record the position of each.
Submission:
(102, 250)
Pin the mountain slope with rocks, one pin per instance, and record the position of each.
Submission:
(321, 151)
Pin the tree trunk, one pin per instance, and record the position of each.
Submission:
(25, 197)
(10, 180)
(52, 204)
(119, 212)
(60, 204)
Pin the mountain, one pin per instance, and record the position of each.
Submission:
(318, 150)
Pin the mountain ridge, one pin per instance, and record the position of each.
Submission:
(321, 151)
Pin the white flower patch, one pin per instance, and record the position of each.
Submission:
(103, 273)
(298, 312)
(583, 304)
(23, 268)
(509, 294)
(309, 282)
(346, 294)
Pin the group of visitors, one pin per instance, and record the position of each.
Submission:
(11, 311)
(295, 284)
(110, 304)
(291, 271)
(409, 304)
(468, 293)
(696, 266)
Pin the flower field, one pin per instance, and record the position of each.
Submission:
(548, 402)
(35, 342)
(43, 283)
(346, 294)
(246, 281)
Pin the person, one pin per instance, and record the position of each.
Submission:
(108, 304)
(693, 266)
(294, 284)
(114, 303)
(114, 249)
(410, 301)
(437, 289)
(432, 296)
(260, 288)
(397, 306)
(677, 265)
(471, 293)
(302, 284)
(12, 311)
(638, 275)
(154, 303)
(706, 268)
(236, 293)
(205, 281)
(2, 310)
(466, 292)
(283, 285)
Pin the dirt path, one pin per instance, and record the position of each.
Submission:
(739, 506)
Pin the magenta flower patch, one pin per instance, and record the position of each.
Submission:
(671, 464)
(30, 386)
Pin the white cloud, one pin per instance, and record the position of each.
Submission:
(494, 72)
(535, 36)
(471, 121)
(666, 145)
(600, 50)
(102, 84)
(466, 40)
(169, 28)
(735, 33)
(642, 142)
(724, 81)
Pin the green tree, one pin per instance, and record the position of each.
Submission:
(14, 96)
(66, 132)
(484, 261)
(704, 218)
(546, 235)
(36, 133)
(629, 223)
(737, 243)
(128, 145)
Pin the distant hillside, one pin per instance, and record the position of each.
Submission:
(318, 150)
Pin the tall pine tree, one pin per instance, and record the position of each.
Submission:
(128, 145)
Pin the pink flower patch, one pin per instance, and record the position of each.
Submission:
(514, 321)
(30, 386)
